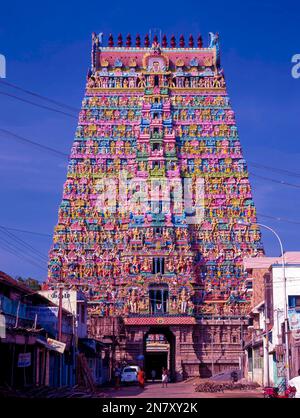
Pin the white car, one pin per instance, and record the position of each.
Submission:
(129, 374)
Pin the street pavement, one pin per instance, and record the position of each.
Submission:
(175, 390)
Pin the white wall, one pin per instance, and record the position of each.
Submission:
(292, 273)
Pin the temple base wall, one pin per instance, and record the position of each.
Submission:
(200, 350)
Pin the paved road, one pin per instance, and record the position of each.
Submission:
(175, 390)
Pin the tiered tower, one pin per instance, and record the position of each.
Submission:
(155, 129)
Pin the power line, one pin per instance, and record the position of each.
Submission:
(63, 105)
(24, 243)
(280, 170)
(24, 252)
(26, 231)
(279, 219)
(18, 252)
(38, 105)
(60, 153)
(33, 143)
(282, 182)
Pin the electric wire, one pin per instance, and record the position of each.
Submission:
(24, 243)
(57, 103)
(37, 105)
(13, 249)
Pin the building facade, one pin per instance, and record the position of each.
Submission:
(27, 321)
(265, 342)
(149, 223)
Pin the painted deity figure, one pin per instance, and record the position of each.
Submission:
(133, 302)
(183, 301)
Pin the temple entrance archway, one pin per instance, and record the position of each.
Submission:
(159, 351)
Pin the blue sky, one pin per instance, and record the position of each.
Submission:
(47, 48)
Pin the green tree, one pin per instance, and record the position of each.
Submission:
(33, 284)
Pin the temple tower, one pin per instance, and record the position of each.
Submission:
(157, 211)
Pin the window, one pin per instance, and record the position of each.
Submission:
(159, 298)
(249, 284)
(82, 314)
(158, 265)
(250, 360)
(294, 302)
(257, 360)
(156, 80)
(156, 146)
(129, 370)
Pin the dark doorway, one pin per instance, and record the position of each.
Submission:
(155, 361)
(159, 352)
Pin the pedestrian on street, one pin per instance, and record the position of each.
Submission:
(153, 375)
(234, 376)
(117, 375)
(141, 378)
(164, 378)
(295, 382)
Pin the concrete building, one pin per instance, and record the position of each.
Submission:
(29, 351)
(264, 346)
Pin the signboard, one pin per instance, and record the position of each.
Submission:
(24, 360)
(294, 322)
(56, 345)
(2, 326)
(69, 299)
(294, 319)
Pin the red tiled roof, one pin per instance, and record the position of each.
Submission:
(6, 279)
(161, 320)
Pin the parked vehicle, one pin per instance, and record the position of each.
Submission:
(273, 392)
(129, 374)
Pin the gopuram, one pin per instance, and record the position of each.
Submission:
(157, 211)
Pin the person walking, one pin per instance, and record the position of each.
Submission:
(141, 378)
(234, 377)
(153, 375)
(164, 378)
(117, 374)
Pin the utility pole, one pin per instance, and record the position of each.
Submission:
(60, 312)
(113, 348)
(212, 352)
(267, 321)
(60, 287)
